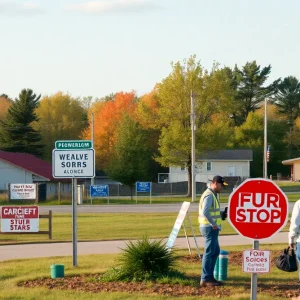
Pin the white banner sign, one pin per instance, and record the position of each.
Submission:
(181, 216)
(73, 163)
(256, 261)
(20, 191)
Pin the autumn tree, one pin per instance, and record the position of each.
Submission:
(16, 132)
(61, 117)
(212, 96)
(5, 103)
(107, 116)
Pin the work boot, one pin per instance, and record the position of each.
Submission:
(215, 280)
(210, 283)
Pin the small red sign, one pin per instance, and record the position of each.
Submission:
(19, 218)
(258, 208)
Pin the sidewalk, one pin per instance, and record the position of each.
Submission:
(9, 252)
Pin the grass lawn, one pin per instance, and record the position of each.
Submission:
(110, 226)
(238, 283)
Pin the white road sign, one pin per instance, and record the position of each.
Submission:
(73, 163)
(256, 261)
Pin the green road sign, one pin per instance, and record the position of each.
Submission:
(73, 145)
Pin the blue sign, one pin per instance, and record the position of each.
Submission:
(143, 187)
(99, 191)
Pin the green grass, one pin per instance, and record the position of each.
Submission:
(16, 271)
(109, 226)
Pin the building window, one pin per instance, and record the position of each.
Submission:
(208, 166)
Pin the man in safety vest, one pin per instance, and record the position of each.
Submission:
(210, 217)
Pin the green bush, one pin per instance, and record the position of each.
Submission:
(143, 260)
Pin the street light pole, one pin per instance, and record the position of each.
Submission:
(193, 152)
(265, 168)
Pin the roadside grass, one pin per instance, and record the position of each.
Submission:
(110, 226)
(13, 272)
(292, 197)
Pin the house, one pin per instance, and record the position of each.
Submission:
(27, 168)
(227, 163)
(295, 168)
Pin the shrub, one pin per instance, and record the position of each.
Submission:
(143, 260)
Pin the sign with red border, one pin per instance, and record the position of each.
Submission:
(19, 218)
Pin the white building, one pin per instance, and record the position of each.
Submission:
(227, 163)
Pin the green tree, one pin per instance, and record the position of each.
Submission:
(212, 97)
(250, 89)
(61, 117)
(17, 133)
(287, 98)
(131, 157)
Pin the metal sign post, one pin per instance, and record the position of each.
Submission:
(73, 159)
(254, 275)
(74, 220)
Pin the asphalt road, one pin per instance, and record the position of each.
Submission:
(129, 208)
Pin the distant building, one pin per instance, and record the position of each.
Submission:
(227, 163)
(294, 163)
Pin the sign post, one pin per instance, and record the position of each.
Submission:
(73, 159)
(257, 210)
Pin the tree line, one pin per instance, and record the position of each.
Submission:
(135, 136)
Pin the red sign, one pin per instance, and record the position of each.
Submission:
(258, 208)
(19, 218)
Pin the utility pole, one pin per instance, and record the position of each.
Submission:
(193, 152)
(265, 168)
(92, 129)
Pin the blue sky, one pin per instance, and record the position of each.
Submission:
(94, 48)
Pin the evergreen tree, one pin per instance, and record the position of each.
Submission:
(249, 83)
(287, 98)
(16, 132)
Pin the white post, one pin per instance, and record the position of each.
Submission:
(193, 155)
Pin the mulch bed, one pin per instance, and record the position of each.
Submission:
(90, 283)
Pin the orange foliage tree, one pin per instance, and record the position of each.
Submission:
(107, 116)
(5, 103)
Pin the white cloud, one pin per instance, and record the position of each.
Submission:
(108, 6)
(14, 8)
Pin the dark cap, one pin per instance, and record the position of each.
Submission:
(219, 179)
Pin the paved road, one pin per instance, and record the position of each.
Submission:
(129, 208)
(9, 252)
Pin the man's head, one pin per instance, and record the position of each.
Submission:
(218, 183)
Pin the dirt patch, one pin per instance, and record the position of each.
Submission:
(90, 283)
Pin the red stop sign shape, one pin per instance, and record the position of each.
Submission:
(257, 208)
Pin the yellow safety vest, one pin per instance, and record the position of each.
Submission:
(214, 209)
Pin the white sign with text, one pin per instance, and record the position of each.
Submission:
(256, 261)
(19, 191)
